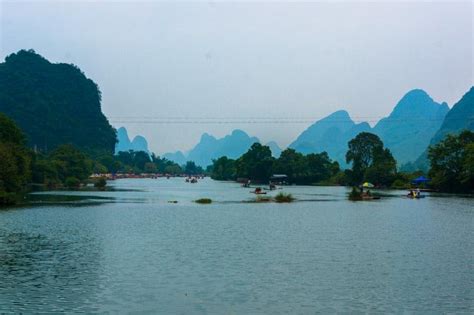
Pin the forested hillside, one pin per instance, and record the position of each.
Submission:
(53, 103)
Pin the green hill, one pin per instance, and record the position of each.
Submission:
(53, 103)
(459, 118)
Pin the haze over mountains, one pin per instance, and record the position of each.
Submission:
(56, 103)
(329, 134)
(408, 130)
(209, 148)
(415, 122)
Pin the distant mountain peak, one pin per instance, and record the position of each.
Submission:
(408, 129)
(139, 143)
(275, 148)
(416, 93)
(416, 101)
(207, 137)
(239, 132)
(209, 147)
(340, 114)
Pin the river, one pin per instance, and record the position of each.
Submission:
(131, 250)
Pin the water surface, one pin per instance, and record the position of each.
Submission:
(132, 251)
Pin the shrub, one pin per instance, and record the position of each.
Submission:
(282, 197)
(100, 183)
(7, 198)
(72, 182)
(204, 201)
(400, 184)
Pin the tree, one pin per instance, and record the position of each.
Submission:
(191, 169)
(173, 169)
(256, 163)
(15, 159)
(305, 169)
(370, 161)
(292, 164)
(321, 167)
(133, 160)
(452, 163)
(70, 162)
(223, 169)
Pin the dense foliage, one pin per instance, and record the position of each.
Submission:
(452, 163)
(223, 169)
(370, 161)
(257, 164)
(64, 166)
(14, 161)
(53, 104)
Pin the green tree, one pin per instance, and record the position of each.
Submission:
(44, 171)
(173, 169)
(292, 164)
(190, 168)
(70, 162)
(452, 163)
(321, 167)
(223, 169)
(256, 163)
(15, 159)
(370, 160)
(305, 169)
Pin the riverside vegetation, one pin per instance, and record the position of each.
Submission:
(54, 135)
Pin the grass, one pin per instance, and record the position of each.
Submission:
(282, 197)
(204, 201)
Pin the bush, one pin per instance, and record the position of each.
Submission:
(204, 201)
(72, 182)
(400, 184)
(282, 197)
(100, 183)
(7, 198)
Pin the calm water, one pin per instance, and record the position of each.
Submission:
(132, 251)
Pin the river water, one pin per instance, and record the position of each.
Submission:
(130, 250)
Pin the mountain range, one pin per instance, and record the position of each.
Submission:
(415, 122)
(138, 143)
(210, 147)
(409, 128)
(460, 117)
(329, 134)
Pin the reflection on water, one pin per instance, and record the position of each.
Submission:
(132, 251)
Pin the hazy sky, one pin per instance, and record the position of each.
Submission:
(248, 61)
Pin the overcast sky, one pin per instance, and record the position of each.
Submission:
(198, 60)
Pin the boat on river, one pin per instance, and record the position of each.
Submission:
(258, 191)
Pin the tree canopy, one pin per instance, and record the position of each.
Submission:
(370, 160)
(15, 159)
(256, 163)
(452, 163)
